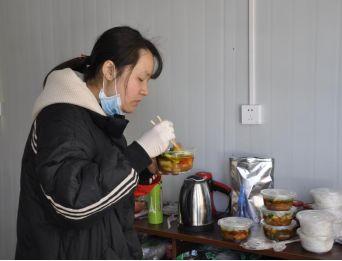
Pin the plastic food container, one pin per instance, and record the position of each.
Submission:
(280, 233)
(336, 213)
(278, 199)
(337, 228)
(315, 244)
(316, 223)
(326, 198)
(235, 228)
(278, 218)
(176, 162)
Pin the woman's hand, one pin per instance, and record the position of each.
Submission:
(157, 140)
(150, 175)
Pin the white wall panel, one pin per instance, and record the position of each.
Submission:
(281, 87)
(326, 90)
(231, 115)
(204, 82)
(303, 96)
(337, 176)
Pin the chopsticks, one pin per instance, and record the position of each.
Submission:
(172, 141)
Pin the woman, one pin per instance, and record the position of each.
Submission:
(78, 174)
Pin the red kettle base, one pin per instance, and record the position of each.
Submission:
(196, 229)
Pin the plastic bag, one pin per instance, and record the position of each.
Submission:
(253, 175)
(154, 248)
(243, 206)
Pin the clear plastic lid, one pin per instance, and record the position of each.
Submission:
(179, 153)
(300, 232)
(315, 244)
(326, 191)
(289, 227)
(314, 216)
(278, 213)
(335, 212)
(326, 197)
(278, 194)
(235, 223)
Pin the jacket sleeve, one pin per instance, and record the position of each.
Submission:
(78, 180)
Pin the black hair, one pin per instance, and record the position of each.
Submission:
(121, 45)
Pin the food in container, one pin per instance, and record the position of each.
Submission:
(235, 228)
(176, 160)
(278, 218)
(326, 198)
(278, 199)
(316, 223)
(315, 244)
(280, 233)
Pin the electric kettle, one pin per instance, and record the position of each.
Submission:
(195, 208)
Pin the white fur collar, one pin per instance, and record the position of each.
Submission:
(64, 86)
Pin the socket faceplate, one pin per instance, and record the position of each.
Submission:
(251, 114)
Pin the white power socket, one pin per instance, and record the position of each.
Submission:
(251, 114)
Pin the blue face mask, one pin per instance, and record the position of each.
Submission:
(111, 105)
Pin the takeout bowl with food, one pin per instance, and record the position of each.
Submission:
(235, 229)
(278, 218)
(176, 160)
(278, 199)
(280, 233)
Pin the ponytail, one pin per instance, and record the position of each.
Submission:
(121, 45)
(78, 64)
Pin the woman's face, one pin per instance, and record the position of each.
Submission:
(133, 84)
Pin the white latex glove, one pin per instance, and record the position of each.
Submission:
(156, 140)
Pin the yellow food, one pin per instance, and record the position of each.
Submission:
(279, 205)
(274, 220)
(279, 235)
(175, 162)
(177, 147)
(235, 235)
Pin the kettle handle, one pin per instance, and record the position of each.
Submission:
(221, 187)
(225, 189)
(217, 186)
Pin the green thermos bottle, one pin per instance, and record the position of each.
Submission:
(155, 209)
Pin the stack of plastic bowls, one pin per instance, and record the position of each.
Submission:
(278, 214)
(329, 200)
(316, 230)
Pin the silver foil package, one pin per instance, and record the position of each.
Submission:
(251, 175)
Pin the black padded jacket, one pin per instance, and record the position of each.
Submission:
(77, 181)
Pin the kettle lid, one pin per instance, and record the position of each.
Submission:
(196, 178)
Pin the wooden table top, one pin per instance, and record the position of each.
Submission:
(214, 238)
